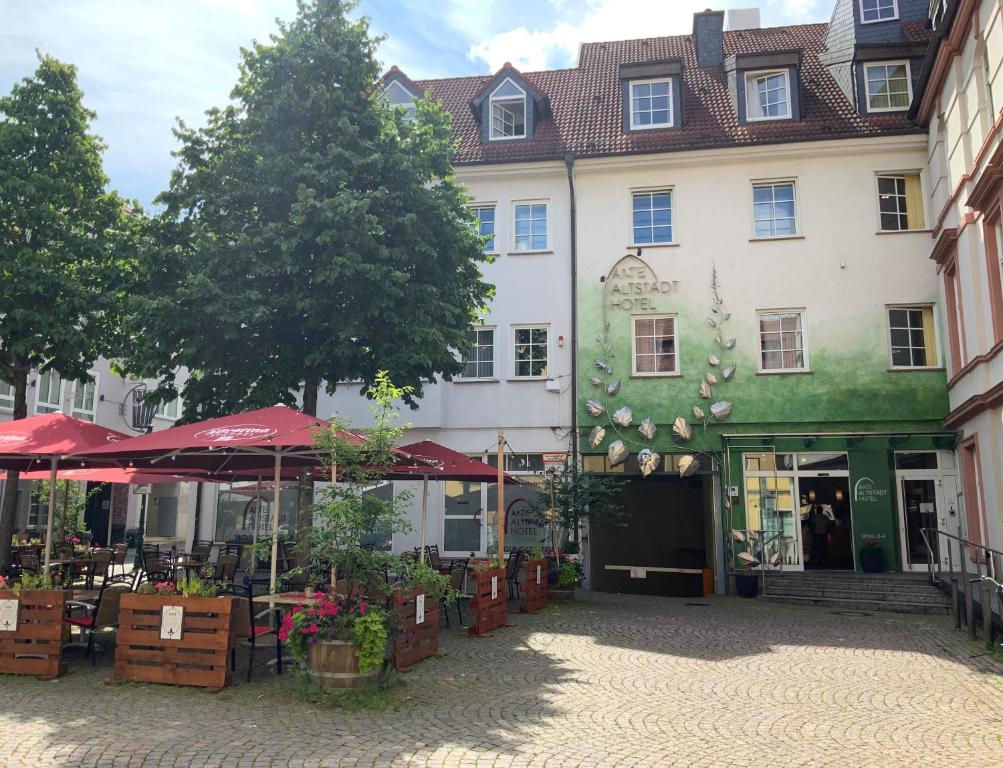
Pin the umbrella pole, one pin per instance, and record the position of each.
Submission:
(275, 522)
(254, 528)
(424, 514)
(501, 498)
(53, 464)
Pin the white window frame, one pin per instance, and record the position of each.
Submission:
(798, 231)
(877, 197)
(477, 207)
(630, 103)
(751, 77)
(512, 238)
(410, 110)
(806, 364)
(4, 397)
(492, 100)
(895, 6)
(633, 347)
(47, 406)
(671, 192)
(161, 410)
(936, 337)
(513, 367)
(494, 356)
(867, 85)
(81, 413)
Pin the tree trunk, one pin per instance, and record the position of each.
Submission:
(304, 516)
(8, 512)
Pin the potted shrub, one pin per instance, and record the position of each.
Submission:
(872, 556)
(563, 577)
(32, 630)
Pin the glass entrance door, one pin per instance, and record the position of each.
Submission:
(770, 505)
(919, 504)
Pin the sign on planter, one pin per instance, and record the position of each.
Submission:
(419, 609)
(537, 574)
(172, 619)
(494, 587)
(8, 615)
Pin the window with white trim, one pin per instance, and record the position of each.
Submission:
(781, 341)
(397, 95)
(479, 361)
(530, 230)
(774, 209)
(878, 10)
(651, 222)
(6, 396)
(85, 396)
(900, 202)
(508, 112)
(38, 513)
(888, 86)
(486, 225)
(654, 344)
(767, 95)
(170, 410)
(530, 350)
(651, 104)
(912, 336)
(48, 393)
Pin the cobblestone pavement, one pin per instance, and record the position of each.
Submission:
(606, 681)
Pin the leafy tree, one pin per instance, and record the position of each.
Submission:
(66, 243)
(579, 496)
(311, 235)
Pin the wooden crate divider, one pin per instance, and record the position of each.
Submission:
(412, 641)
(533, 585)
(488, 613)
(36, 647)
(199, 658)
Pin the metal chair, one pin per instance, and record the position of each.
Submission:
(457, 577)
(100, 614)
(226, 567)
(98, 565)
(248, 626)
(118, 557)
(512, 574)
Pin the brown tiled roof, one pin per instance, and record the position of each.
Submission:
(587, 112)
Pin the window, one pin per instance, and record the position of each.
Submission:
(6, 396)
(774, 209)
(38, 513)
(49, 397)
(889, 86)
(652, 218)
(479, 362)
(169, 410)
(651, 104)
(486, 226)
(878, 10)
(781, 341)
(913, 339)
(530, 351)
(655, 350)
(900, 202)
(530, 227)
(85, 398)
(464, 517)
(398, 96)
(767, 95)
(508, 112)
(519, 462)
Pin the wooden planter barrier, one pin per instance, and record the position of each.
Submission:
(36, 646)
(489, 603)
(198, 658)
(412, 641)
(534, 585)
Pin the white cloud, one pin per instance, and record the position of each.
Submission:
(799, 10)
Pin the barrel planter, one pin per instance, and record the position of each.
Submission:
(560, 593)
(333, 664)
(33, 643)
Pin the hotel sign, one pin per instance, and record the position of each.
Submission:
(633, 286)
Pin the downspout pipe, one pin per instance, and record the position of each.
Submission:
(569, 161)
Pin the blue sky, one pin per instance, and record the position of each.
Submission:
(142, 63)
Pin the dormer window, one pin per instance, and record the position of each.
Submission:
(878, 10)
(651, 104)
(768, 95)
(398, 96)
(888, 85)
(508, 112)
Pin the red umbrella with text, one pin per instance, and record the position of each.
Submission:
(43, 441)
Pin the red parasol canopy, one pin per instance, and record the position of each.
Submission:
(445, 464)
(27, 444)
(116, 475)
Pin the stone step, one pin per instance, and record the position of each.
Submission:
(890, 585)
(898, 606)
(929, 596)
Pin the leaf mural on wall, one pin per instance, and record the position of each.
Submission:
(712, 382)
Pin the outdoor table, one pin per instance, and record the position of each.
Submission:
(286, 598)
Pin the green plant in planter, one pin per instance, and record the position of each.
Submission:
(422, 576)
(536, 553)
(41, 582)
(567, 575)
(350, 620)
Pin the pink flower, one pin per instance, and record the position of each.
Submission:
(362, 608)
(311, 630)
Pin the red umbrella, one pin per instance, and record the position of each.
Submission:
(27, 444)
(118, 475)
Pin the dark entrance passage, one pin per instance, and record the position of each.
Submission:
(670, 526)
(826, 531)
(98, 512)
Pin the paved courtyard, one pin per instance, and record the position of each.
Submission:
(606, 681)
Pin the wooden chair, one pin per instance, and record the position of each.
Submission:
(249, 627)
(100, 614)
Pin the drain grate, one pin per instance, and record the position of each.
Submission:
(851, 613)
(698, 605)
